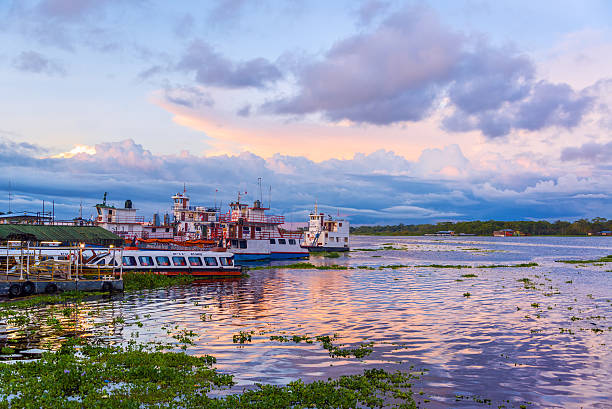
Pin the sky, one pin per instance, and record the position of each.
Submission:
(384, 112)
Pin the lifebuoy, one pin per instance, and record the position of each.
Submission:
(51, 288)
(14, 290)
(28, 288)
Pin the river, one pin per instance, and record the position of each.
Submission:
(537, 336)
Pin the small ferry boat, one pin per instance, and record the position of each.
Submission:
(252, 235)
(326, 234)
(171, 262)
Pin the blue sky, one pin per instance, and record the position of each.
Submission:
(386, 111)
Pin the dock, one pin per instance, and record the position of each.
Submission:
(26, 270)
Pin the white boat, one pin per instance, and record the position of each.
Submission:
(326, 234)
(252, 235)
(171, 262)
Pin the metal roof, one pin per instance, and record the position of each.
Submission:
(65, 234)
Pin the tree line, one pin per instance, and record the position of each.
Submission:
(486, 228)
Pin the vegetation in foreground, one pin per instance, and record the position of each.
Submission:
(81, 375)
(486, 228)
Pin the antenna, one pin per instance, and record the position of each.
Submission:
(9, 196)
(270, 198)
(81, 210)
(259, 184)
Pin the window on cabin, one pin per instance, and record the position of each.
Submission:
(162, 261)
(210, 261)
(291, 241)
(179, 261)
(234, 243)
(282, 241)
(145, 260)
(340, 224)
(153, 230)
(243, 244)
(167, 230)
(195, 261)
(129, 261)
(272, 241)
(226, 261)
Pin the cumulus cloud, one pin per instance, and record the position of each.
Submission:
(380, 187)
(211, 68)
(32, 61)
(188, 96)
(389, 75)
(403, 69)
(589, 152)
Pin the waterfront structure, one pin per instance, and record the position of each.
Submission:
(252, 235)
(326, 234)
(506, 233)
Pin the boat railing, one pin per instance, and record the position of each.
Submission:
(254, 218)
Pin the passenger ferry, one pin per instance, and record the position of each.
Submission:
(326, 234)
(166, 262)
(252, 235)
(170, 262)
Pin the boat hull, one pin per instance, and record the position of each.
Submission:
(288, 255)
(318, 249)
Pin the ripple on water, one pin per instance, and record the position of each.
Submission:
(493, 344)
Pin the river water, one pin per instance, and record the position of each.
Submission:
(545, 342)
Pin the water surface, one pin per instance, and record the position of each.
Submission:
(512, 345)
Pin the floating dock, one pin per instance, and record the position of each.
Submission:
(28, 270)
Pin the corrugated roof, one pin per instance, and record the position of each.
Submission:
(65, 234)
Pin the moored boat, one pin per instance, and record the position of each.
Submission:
(326, 234)
(252, 235)
(171, 262)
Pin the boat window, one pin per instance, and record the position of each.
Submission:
(243, 244)
(101, 262)
(162, 261)
(210, 261)
(257, 228)
(195, 261)
(145, 260)
(340, 224)
(179, 261)
(234, 243)
(226, 261)
(129, 260)
(282, 241)
(291, 241)
(345, 239)
(272, 241)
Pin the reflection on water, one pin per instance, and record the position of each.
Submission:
(544, 340)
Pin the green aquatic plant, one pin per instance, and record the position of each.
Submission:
(242, 337)
(470, 275)
(150, 280)
(327, 342)
(605, 259)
